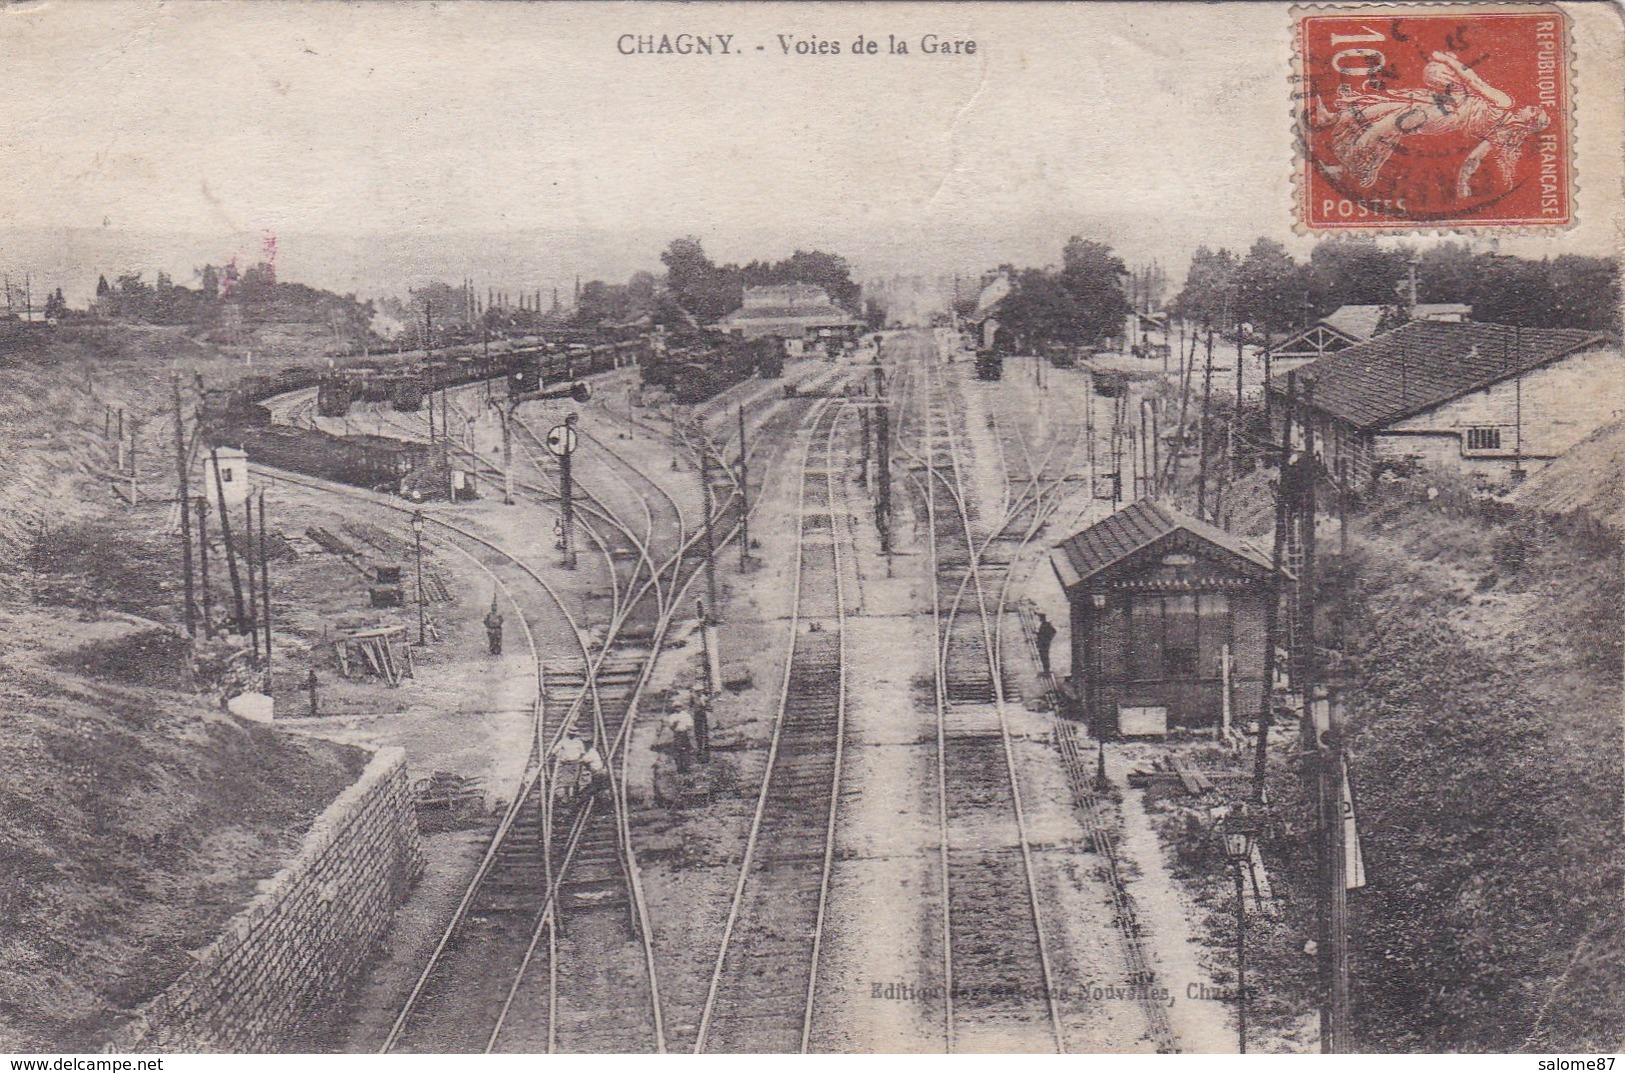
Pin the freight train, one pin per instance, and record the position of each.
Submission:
(235, 415)
(709, 364)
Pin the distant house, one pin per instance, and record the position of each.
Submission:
(1352, 325)
(793, 311)
(1484, 399)
(985, 321)
(1167, 621)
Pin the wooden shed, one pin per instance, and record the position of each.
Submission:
(1168, 619)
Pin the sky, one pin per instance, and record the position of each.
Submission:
(514, 144)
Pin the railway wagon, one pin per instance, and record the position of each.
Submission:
(406, 393)
(221, 409)
(697, 381)
(375, 462)
(770, 357)
(333, 396)
(1109, 383)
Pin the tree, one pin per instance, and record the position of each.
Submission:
(209, 282)
(1039, 308)
(1269, 288)
(1512, 290)
(102, 289)
(1587, 292)
(1093, 275)
(1209, 288)
(1355, 272)
(1446, 273)
(601, 302)
(705, 291)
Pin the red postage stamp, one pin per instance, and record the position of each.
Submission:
(1438, 117)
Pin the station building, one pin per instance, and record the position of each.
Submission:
(799, 313)
(1167, 622)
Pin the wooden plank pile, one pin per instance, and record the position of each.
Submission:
(378, 651)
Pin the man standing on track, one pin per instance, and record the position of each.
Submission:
(493, 628)
(1046, 637)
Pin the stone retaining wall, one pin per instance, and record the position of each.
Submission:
(276, 970)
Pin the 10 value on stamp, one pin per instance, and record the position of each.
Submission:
(1450, 117)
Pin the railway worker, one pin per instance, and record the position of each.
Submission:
(702, 726)
(681, 725)
(592, 762)
(569, 752)
(493, 628)
(1046, 637)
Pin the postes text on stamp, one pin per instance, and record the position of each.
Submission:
(1442, 117)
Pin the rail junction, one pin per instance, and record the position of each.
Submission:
(556, 942)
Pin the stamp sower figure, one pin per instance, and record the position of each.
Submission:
(493, 628)
(1046, 637)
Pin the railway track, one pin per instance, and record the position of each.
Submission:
(1000, 992)
(1035, 491)
(497, 920)
(764, 986)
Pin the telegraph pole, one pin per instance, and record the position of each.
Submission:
(1272, 609)
(134, 494)
(707, 508)
(253, 588)
(203, 564)
(265, 594)
(883, 456)
(225, 534)
(1201, 432)
(506, 416)
(567, 510)
(186, 516)
(744, 493)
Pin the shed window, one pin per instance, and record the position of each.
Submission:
(1145, 639)
(1179, 653)
(1484, 439)
(1215, 614)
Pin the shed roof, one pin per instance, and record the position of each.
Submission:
(1359, 321)
(1137, 526)
(1424, 363)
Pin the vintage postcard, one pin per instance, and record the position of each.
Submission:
(848, 528)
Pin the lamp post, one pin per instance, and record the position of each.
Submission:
(417, 540)
(1238, 848)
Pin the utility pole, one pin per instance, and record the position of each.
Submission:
(506, 416)
(253, 588)
(265, 594)
(1335, 1039)
(135, 498)
(1235, 417)
(744, 493)
(203, 564)
(186, 516)
(883, 457)
(1201, 432)
(567, 511)
(231, 554)
(1272, 608)
(707, 508)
